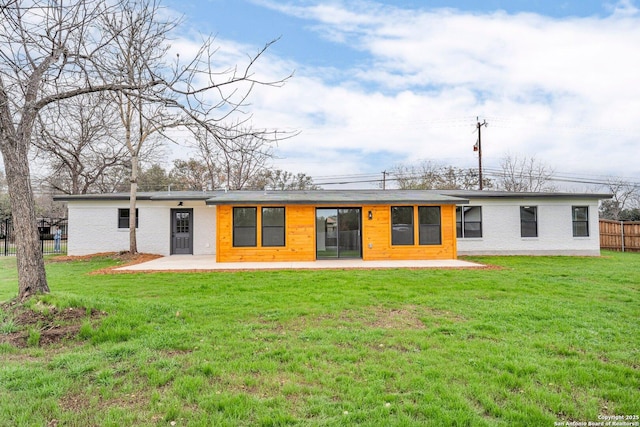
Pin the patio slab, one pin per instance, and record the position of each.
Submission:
(208, 263)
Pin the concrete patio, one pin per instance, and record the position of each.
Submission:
(208, 263)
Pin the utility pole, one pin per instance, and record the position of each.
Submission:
(384, 180)
(478, 148)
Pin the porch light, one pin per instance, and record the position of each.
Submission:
(370, 214)
(179, 203)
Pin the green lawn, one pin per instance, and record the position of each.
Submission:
(541, 340)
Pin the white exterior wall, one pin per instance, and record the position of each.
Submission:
(93, 227)
(501, 229)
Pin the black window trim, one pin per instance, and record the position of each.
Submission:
(123, 221)
(574, 221)
(395, 225)
(237, 227)
(463, 222)
(534, 222)
(283, 226)
(438, 226)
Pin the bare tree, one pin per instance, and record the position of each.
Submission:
(190, 174)
(79, 142)
(52, 51)
(626, 197)
(185, 98)
(47, 55)
(208, 146)
(278, 180)
(525, 174)
(430, 175)
(236, 156)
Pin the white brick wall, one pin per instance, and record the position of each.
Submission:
(501, 229)
(93, 227)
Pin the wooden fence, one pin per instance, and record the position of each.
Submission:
(620, 236)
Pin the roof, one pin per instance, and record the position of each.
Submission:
(142, 195)
(333, 197)
(482, 194)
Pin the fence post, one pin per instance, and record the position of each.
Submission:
(6, 235)
(622, 233)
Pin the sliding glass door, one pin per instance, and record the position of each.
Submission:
(338, 233)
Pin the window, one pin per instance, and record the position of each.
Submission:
(244, 227)
(402, 225)
(528, 221)
(272, 226)
(123, 218)
(429, 221)
(580, 221)
(468, 221)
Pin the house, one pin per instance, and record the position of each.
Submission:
(240, 226)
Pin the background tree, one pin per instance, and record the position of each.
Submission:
(237, 156)
(625, 202)
(52, 51)
(48, 54)
(5, 206)
(191, 175)
(525, 174)
(194, 94)
(279, 180)
(430, 175)
(78, 141)
(153, 178)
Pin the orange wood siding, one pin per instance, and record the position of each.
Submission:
(376, 240)
(300, 236)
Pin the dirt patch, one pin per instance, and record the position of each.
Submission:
(53, 325)
(123, 259)
(408, 317)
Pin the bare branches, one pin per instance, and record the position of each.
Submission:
(524, 175)
(51, 52)
(429, 175)
(79, 141)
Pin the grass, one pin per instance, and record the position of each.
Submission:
(537, 341)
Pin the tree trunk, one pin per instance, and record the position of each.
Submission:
(32, 278)
(133, 243)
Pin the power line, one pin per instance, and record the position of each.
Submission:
(497, 173)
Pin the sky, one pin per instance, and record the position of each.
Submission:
(381, 83)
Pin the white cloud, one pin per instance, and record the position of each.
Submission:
(565, 90)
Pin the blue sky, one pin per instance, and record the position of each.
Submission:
(378, 83)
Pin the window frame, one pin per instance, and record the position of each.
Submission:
(394, 233)
(524, 222)
(123, 221)
(273, 227)
(575, 222)
(429, 226)
(237, 228)
(461, 226)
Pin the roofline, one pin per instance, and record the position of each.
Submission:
(253, 202)
(169, 196)
(477, 194)
(209, 197)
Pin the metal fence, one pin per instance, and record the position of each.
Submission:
(51, 241)
(619, 235)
